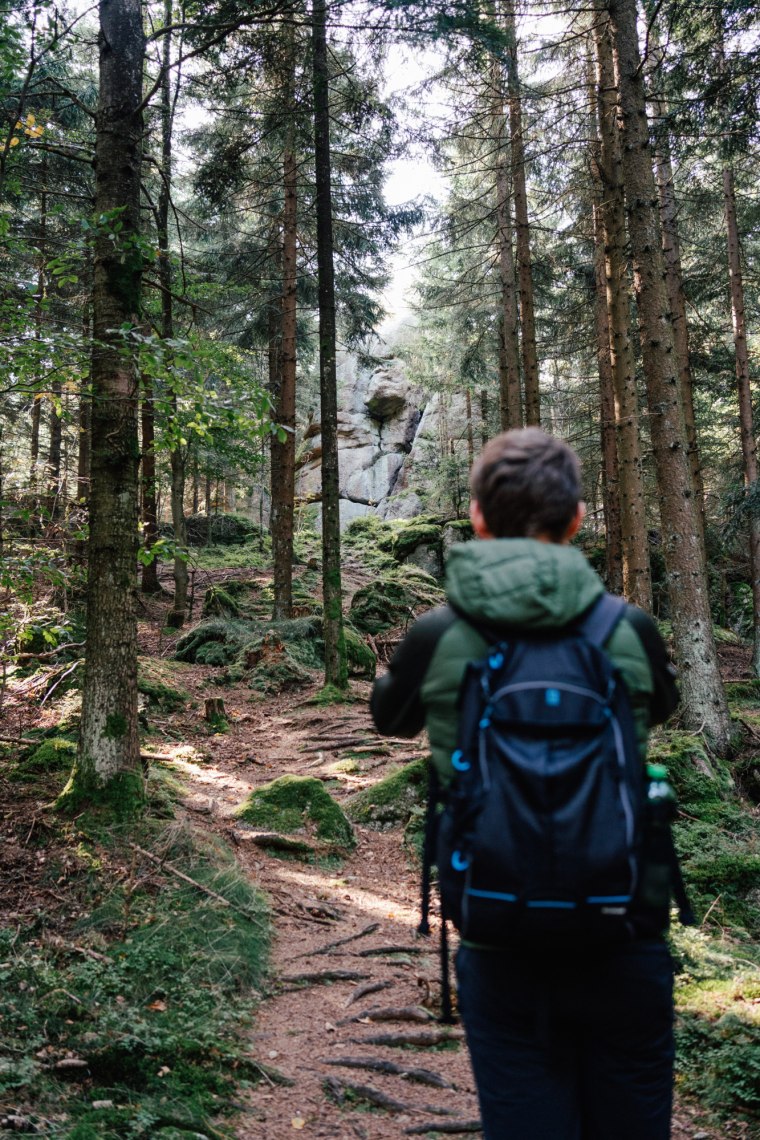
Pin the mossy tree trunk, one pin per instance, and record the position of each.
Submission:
(704, 697)
(149, 583)
(336, 670)
(108, 759)
(510, 406)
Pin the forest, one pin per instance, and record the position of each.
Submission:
(272, 275)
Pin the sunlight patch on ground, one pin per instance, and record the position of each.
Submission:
(348, 890)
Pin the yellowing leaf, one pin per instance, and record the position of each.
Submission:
(15, 141)
(30, 120)
(298, 1122)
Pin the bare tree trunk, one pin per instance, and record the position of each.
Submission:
(85, 419)
(149, 578)
(610, 476)
(283, 453)
(336, 670)
(637, 580)
(510, 409)
(470, 433)
(671, 248)
(522, 227)
(744, 393)
(53, 466)
(108, 760)
(178, 453)
(483, 417)
(705, 707)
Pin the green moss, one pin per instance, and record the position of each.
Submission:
(699, 777)
(53, 755)
(415, 534)
(218, 602)
(393, 598)
(164, 696)
(293, 804)
(122, 797)
(361, 660)
(392, 800)
(115, 727)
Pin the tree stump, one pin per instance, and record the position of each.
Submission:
(214, 710)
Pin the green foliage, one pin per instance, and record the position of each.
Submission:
(223, 530)
(393, 599)
(718, 1027)
(393, 799)
(154, 1011)
(293, 804)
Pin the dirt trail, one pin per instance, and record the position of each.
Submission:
(356, 922)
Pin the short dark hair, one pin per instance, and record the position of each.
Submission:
(527, 484)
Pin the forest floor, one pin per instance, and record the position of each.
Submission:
(345, 1029)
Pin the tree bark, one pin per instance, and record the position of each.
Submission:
(178, 451)
(744, 393)
(705, 707)
(510, 408)
(522, 227)
(637, 580)
(283, 452)
(149, 583)
(671, 248)
(336, 671)
(108, 759)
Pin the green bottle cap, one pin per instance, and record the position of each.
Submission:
(657, 772)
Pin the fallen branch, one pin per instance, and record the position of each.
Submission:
(423, 1038)
(322, 976)
(328, 949)
(406, 1013)
(276, 842)
(449, 1127)
(365, 991)
(49, 654)
(57, 943)
(198, 886)
(378, 1065)
(19, 740)
(375, 951)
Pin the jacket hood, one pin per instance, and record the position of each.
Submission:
(520, 581)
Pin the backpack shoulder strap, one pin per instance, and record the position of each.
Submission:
(600, 620)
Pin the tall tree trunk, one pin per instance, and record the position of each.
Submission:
(53, 466)
(108, 760)
(85, 419)
(671, 249)
(336, 670)
(744, 392)
(178, 452)
(510, 408)
(484, 433)
(469, 431)
(522, 226)
(34, 456)
(283, 451)
(610, 476)
(637, 580)
(149, 578)
(705, 706)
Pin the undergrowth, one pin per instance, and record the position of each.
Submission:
(129, 1025)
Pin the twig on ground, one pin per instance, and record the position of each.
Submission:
(405, 1013)
(331, 946)
(365, 991)
(449, 1127)
(193, 883)
(423, 1038)
(321, 977)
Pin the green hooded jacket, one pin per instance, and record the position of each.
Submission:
(510, 584)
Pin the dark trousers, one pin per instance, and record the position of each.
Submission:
(577, 1050)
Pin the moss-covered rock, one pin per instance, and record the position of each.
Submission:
(53, 755)
(270, 667)
(361, 660)
(152, 683)
(391, 801)
(393, 599)
(298, 804)
(219, 602)
(699, 777)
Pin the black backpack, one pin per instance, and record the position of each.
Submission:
(544, 836)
